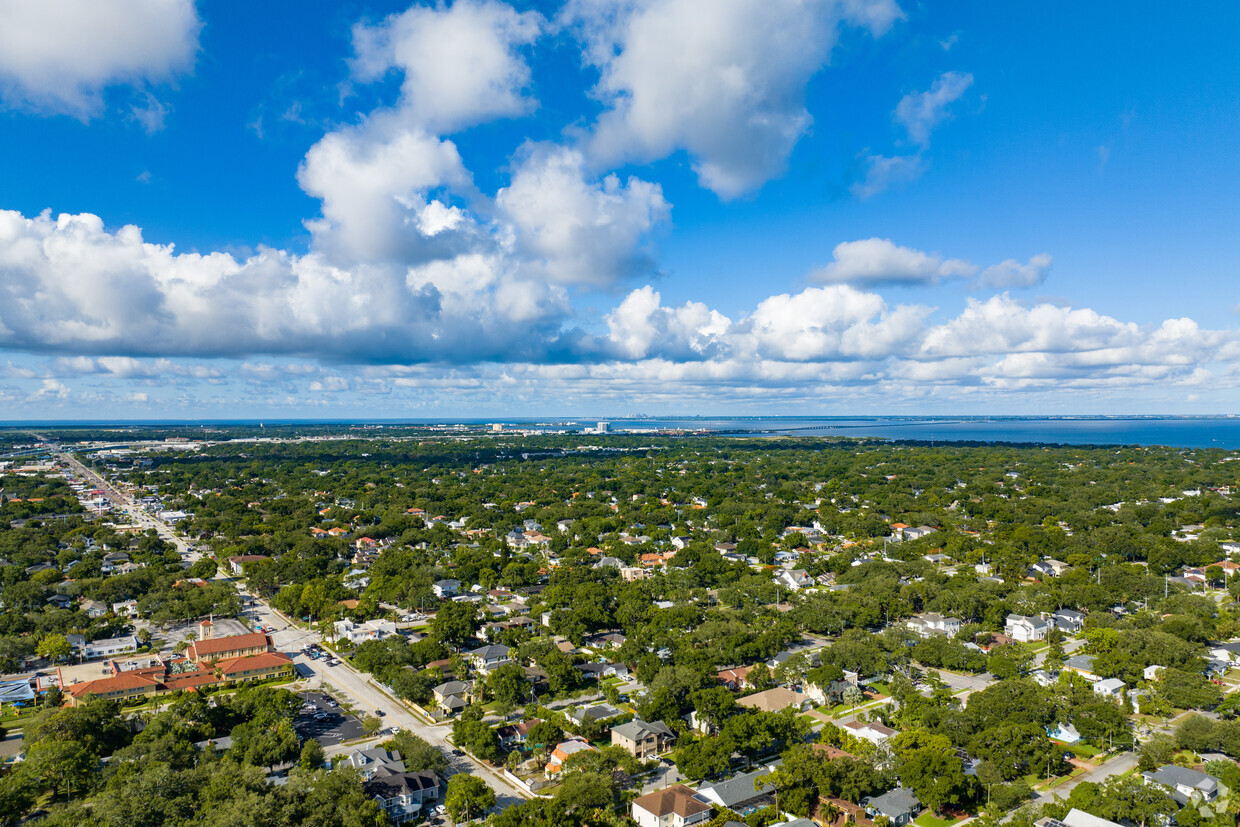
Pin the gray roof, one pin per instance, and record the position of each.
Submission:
(1085, 662)
(636, 730)
(453, 688)
(739, 789)
(494, 650)
(595, 713)
(360, 758)
(1173, 776)
(388, 784)
(894, 802)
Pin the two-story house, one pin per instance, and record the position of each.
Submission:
(488, 658)
(929, 624)
(643, 740)
(673, 807)
(403, 795)
(1026, 629)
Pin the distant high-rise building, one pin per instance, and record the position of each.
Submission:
(602, 428)
(497, 426)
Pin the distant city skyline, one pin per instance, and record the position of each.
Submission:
(479, 209)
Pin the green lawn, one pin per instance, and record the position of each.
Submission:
(928, 820)
(1082, 750)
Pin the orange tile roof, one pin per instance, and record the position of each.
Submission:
(116, 683)
(232, 643)
(267, 660)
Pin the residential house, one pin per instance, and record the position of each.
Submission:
(1042, 678)
(1082, 665)
(736, 678)
(776, 700)
(113, 561)
(875, 733)
(237, 564)
(357, 633)
(453, 696)
(925, 625)
(597, 712)
(513, 736)
(445, 589)
(899, 805)
(1184, 784)
(1068, 621)
(94, 608)
(742, 794)
(403, 795)
(643, 740)
(125, 608)
(834, 691)
(672, 807)
(61, 601)
(795, 579)
(1026, 629)
(1064, 732)
(562, 752)
(485, 659)
(1075, 818)
(1110, 688)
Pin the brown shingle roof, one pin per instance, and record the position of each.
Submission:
(678, 800)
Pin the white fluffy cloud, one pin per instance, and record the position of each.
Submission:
(72, 286)
(876, 261)
(722, 79)
(374, 182)
(58, 56)
(461, 63)
(921, 112)
(575, 231)
(640, 327)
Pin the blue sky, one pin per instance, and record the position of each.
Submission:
(667, 206)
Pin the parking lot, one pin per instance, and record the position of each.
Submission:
(325, 722)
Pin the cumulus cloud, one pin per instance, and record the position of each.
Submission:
(640, 327)
(921, 112)
(71, 286)
(876, 261)
(882, 172)
(723, 80)
(461, 63)
(375, 182)
(1011, 273)
(57, 56)
(577, 231)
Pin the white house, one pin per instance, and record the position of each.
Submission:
(794, 579)
(673, 807)
(1184, 784)
(487, 658)
(125, 608)
(1026, 629)
(929, 624)
(446, 588)
(1110, 688)
(361, 632)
